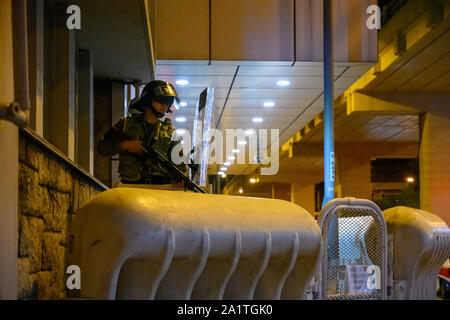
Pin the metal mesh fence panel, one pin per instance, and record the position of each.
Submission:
(355, 254)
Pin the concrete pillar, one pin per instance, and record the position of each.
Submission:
(35, 11)
(85, 112)
(118, 102)
(102, 122)
(303, 189)
(109, 107)
(282, 191)
(9, 163)
(434, 155)
(59, 114)
(303, 195)
(353, 172)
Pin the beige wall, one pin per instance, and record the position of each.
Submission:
(35, 12)
(8, 163)
(117, 112)
(182, 29)
(353, 168)
(84, 135)
(102, 122)
(435, 162)
(252, 30)
(260, 30)
(434, 152)
(353, 172)
(303, 195)
(59, 102)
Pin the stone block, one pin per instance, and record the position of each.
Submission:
(33, 155)
(43, 169)
(55, 174)
(26, 282)
(48, 288)
(55, 216)
(30, 240)
(53, 260)
(75, 195)
(29, 191)
(53, 254)
(44, 286)
(85, 194)
(61, 177)
(22, 148)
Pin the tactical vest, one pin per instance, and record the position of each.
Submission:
(133, 167)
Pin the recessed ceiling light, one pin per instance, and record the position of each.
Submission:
(183, 104)
(231, 158)
(249, 132)
(180, 119)
(223, 175)
(283, 83)
(182, 82)
(268, 104)
(235, 151)
(227, 164)
(257, 120)
(242, 143)
(181, 131)
(223, 169)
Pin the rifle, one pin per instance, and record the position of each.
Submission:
(188, 183)
(164, 161)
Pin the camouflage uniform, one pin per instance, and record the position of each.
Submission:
(141, 168)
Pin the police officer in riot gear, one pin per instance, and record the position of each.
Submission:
(132, 136)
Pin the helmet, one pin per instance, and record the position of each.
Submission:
(161, 91)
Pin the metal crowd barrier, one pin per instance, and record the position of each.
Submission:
(370, 255)
(354, 263)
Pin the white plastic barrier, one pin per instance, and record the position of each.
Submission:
(419, 245)
(136, 243)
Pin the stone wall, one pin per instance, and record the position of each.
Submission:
(51, 192)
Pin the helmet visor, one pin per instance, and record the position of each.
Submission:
(165, 90)
(169, 102)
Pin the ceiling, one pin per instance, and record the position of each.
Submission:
(373, 128)
(241, 88)
(103, 23)
(424, 68)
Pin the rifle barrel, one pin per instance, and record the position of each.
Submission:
(177, 171)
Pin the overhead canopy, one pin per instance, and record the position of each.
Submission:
(117, 34)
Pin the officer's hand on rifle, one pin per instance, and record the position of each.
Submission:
(133, 146)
